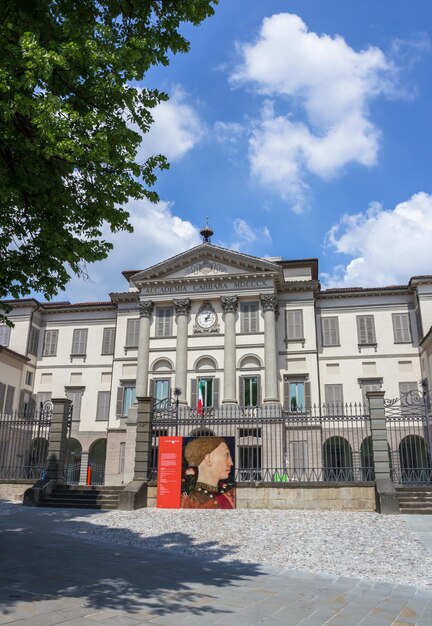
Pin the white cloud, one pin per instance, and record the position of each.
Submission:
(247, 236)
(228, 132)
(325, 81)
(177, 128)
(386, 247)
(158, 234)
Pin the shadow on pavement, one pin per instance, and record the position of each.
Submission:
(42, 562)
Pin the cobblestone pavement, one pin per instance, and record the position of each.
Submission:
(47, 578)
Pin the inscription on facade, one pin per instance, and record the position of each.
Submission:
(205, 267)
(206, 287)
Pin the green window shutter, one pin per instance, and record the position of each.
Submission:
(103, 406)
(194, 393)
(258, 390)
(241, 391)
(119, 402)
(10, 393)
(216, 392)
(108, 340)
(132, 333)
(308, 399)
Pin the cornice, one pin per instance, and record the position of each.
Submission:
(15, 355)
(124, 296)
(359, 292)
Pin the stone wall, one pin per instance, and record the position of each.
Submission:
(14, 491)
(341, 497)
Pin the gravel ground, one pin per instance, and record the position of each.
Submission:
(361, 545)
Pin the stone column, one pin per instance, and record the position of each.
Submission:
(57, 440)
(386, 498)
(271, 313)
(145, 310)
(182, 310)
(84, 468)
(229, 305)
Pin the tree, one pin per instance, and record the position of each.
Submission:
(68, 76)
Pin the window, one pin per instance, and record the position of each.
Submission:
(372, 384)
(103, 405)
(108, 341)
(297, 460)
(132, 333)
(330, 331)
(2, 396)
(4, 335)
(10, 393)
(29, 378)
(75, 395)
(404, 389)
(126, 395)
(401, 328)
(250, 463)
(296, 394)
(249, 390)
(50, 343)
(334, 398)
(79, 342)
(161, 390)
(249, 317)
(209, 391)
(366, 330)
(164, 321)
(294, 325)
(33, 341)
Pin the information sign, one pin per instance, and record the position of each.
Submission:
(169, 473)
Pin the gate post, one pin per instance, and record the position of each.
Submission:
(134, 495)
(57, 440)
(386, 498)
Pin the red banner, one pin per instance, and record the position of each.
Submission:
(169, 472)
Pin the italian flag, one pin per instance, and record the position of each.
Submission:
(200, 397)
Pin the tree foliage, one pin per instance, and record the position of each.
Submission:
(68, 75)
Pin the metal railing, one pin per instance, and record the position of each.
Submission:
(409, 434)
(328, 443)
(24, 444)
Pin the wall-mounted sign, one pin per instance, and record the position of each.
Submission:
(228, 285)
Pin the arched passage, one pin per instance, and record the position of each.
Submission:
(97, 458)
(338, 459)
(415, 460)
(37, 458)
(73, 461)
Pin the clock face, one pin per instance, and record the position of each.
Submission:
(206, 318)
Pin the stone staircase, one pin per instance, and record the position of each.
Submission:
(80, 497)
(415, 500)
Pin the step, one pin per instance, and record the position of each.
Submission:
(73, 505)
(416, 511)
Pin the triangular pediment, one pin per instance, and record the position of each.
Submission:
(206, 261)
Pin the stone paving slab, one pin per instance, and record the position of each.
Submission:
(50, 578)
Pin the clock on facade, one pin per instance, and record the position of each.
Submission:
(206, 318)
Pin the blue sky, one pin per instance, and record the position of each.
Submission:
(302, 129)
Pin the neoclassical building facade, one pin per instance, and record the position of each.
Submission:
(219, 325)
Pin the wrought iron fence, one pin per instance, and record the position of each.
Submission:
(409, 435)
(329, 443)
(24, 444)
(72, 472)
(96, 473)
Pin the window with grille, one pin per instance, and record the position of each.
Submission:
(132, 333)
(334, 398)
(33, 341)
(249, 317)
(79, 342)
(50, 343)
(366, 330)
(294, 325)
(4, 335)
(164, 321)
(330, 331)
(108, 339)
(401, 328)
(103, 406)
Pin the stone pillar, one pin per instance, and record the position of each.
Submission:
(271, 313)
(134, 495)
(57, 440)
(145, 310)
(386, 498)
(182, 310)
(229, 305)
(84, 468)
